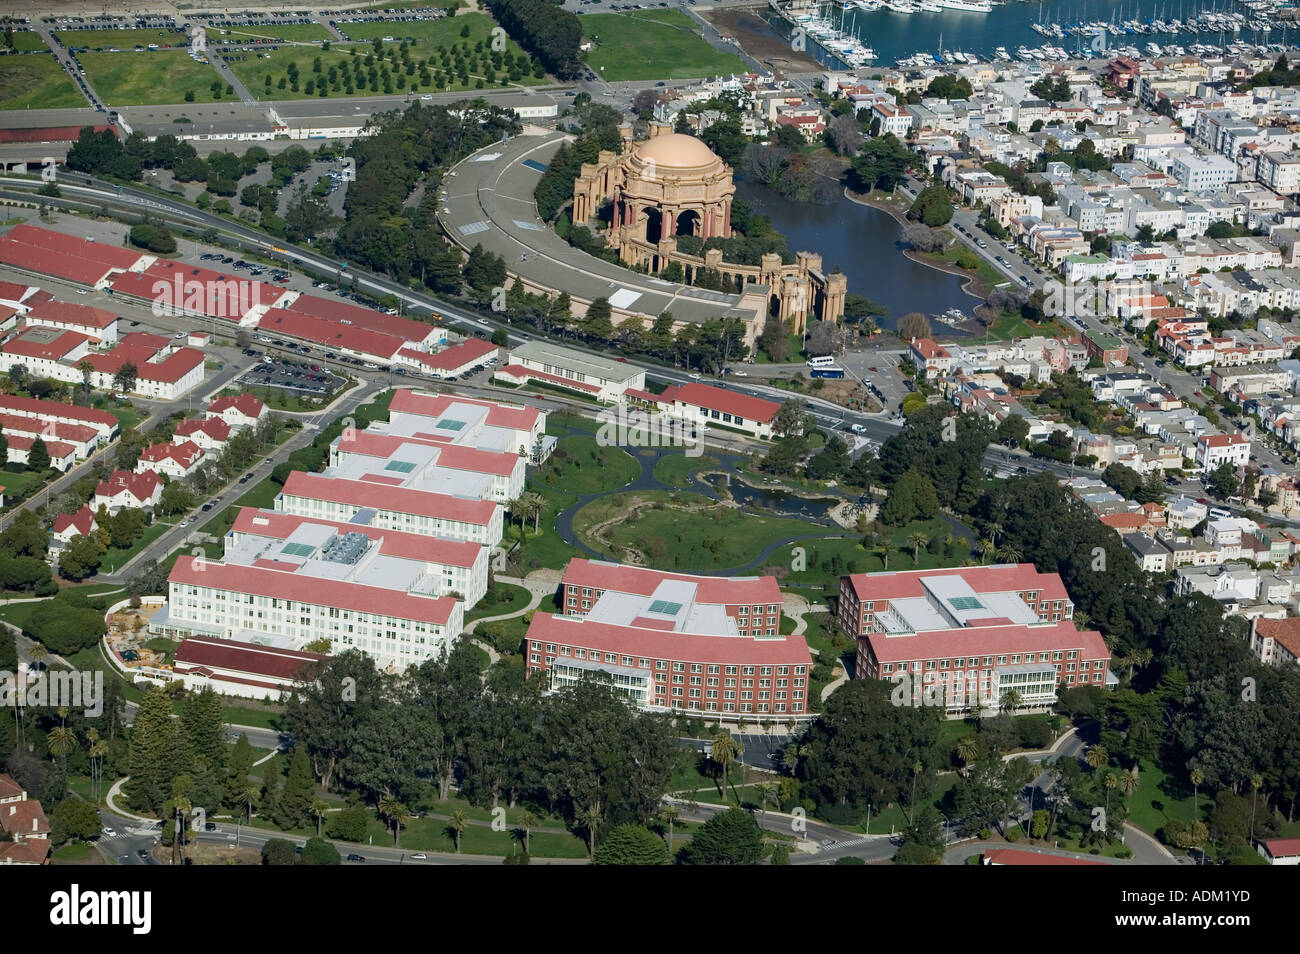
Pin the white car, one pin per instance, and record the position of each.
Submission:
(370, 367)
(109, 832)
(695, 376)
(180, 334)
(740, 374)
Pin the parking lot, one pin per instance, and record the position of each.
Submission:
(304, 377)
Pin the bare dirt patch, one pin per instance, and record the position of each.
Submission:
(757, 38)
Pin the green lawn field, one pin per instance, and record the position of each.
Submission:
(288, 32)
(36, 81)
(126, 40)
(145, 79)
(28, 40)
(661, 44)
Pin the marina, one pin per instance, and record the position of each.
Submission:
(857, 33)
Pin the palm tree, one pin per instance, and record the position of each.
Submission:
(668, 815)
(38, 653)
(994, 531)
(394, 811)
(790, 757)
(1011, 700)
(515, 509)
(724, 751)
(183, 809)
(1081, 619)
(457, 824)
(767, 792)
(1096, 756)
(916, 773)
(1008, 554)
(319, 808)
(887, 546)
(529, 821)
(1129, 781)
(1256, 782)
(1197, 777)
(61, 741)
(589, 818)
(968, 749)
(916, 541)
(1109, 781)
(252, 793)
(986, 548)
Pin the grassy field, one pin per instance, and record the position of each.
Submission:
(516, 598)
(125, 40)
(676, 470)
(288, 32)
(144, 79)
(426, 33)
(577, 467)
(710, 537)
(19, 483)
(1010, 325)
(36, 82)
(28, 40)
(654, 45)
(116, 558)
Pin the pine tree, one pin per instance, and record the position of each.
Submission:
(239, 763)
(157, 752)
(270, 791)
(299, 790)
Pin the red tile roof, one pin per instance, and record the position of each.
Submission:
(24, 294)
(48, 133)
(396, 543)
(301, 588)
(26, 345)
(246, 404)
(654, 644)
(516, 418)
(113, 256)
(38, 408)
(214, 427)
(9, 788)
(453, 456)
(184, 453)
(987, 640)
(368, 319)
(23, 819)
(643, 581)
(1285, 632)
(235, 656)
(1221, 440)
(1000, 578)
(1283, 847)
(457, 356)
(34, 851)
(723, 401)
(83, 521)
(67, 313)
(141, 486)
(332, 334)
(58, 450)
(22, 424)
(73, 268)
(523, 373)
(399, 499)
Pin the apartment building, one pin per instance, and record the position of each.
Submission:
(674, 642)
(972, 633)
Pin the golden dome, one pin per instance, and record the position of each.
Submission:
(676, 151)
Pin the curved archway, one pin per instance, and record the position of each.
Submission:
(654, 224)
(688, 222)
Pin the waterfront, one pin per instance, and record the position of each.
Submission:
(865, 243)
(895, 36)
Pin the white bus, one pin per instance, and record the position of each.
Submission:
(825, 361)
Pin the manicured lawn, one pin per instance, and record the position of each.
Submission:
(665, 46)
(426, 33)
(128, 415)
(683, 531)
(514, 599)
(1151, 806)
(28, 40)
(75, 853)
(125, 40)
(142, 79)
(19, 483)
(36, 81)
(116, 558)
(676, 470)
(1011, 325)
(819, 555)
(288, 32)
